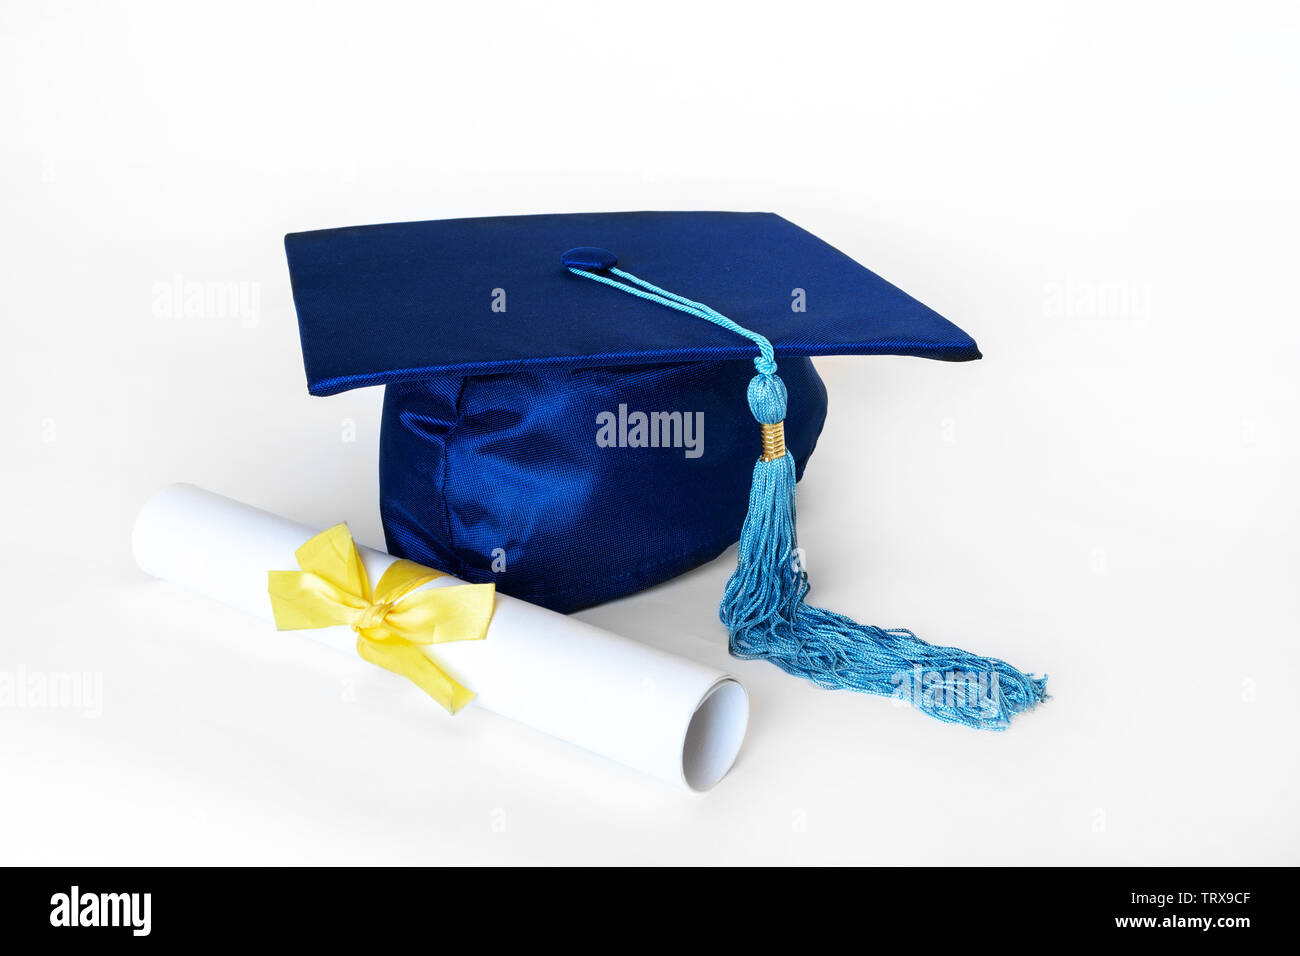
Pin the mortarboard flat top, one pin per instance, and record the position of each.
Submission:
(404, 301)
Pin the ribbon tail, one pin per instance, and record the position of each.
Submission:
(409, 661)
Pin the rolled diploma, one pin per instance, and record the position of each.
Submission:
(665, 715)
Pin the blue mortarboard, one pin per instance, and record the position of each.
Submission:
(573, 445)
(396, 303)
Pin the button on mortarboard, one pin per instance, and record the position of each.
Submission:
(589, 257)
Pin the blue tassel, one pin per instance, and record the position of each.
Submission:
(763, 606)
(764, 611)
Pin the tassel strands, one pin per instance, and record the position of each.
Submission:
(763, 606)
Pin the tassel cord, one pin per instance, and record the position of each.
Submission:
(763, 605)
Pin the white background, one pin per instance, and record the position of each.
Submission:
(1103, 194)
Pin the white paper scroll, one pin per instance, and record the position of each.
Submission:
(670, 717)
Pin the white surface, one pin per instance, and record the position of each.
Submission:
(1103, 194)
(655, 712)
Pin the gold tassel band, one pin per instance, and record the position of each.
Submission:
(773, 441)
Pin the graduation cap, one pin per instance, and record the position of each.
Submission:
(564, 415)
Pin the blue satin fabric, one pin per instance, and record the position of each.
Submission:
(497, 361)
(404, 301)
(504, 470)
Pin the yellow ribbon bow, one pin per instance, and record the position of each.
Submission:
(391, 623)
